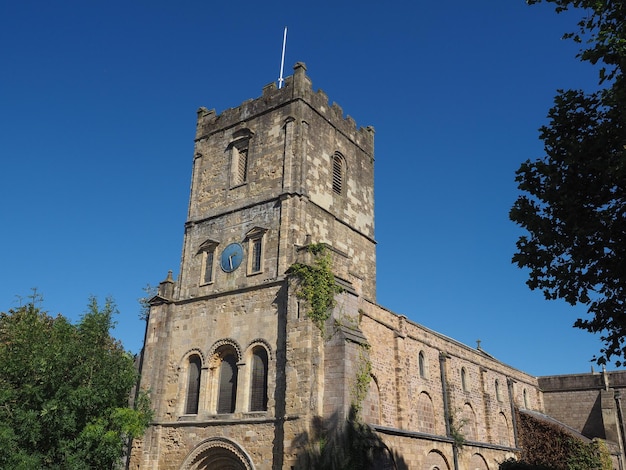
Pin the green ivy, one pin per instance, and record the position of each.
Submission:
(317, 284)
(363, 378)
(456, 425)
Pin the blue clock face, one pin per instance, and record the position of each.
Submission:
(231, 257)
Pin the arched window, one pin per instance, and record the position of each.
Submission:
(338, 173)
(258, 382)
(468, 420)
(498, 394)
(425, 414)
(193, 385)
(228, 384)
(464, 379)
(370, 411)
(525, 399)
(422, 364)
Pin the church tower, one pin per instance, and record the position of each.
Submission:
(235, 368)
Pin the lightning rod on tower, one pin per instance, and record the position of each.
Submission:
(282, 60)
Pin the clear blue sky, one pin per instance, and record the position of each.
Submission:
(98, 103)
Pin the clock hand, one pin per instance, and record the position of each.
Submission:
(230, 261)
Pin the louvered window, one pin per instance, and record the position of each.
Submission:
(238, 149)
(228, 385)
(242, 165)
(193, 386)
(338, 173)
(258, 392)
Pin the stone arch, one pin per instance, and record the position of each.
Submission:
(504, 433)
(218, 454)
(181, 378)
(224, 361)
(220, 344)
(425, 414)
(185, 357)
(468, 423)
(435, 460)
(260, 342)
(478, 462)
(370, 410)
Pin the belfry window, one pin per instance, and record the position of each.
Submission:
(339, 168)
(258, 380)
(193, 385)
(227, 392)
(239, 157)
(240, 160)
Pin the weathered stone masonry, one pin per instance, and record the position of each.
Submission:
(236, 370)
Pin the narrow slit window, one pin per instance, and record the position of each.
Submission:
(208, 267)
(256, 255)
(255, 240)
(338, 173)
(422, 365)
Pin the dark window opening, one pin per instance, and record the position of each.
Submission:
(256, 255)
(228, 385)
(208, 267)
(258, 392)
(193, 386)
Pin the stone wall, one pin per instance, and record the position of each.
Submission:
(427, 393)
(588, 403)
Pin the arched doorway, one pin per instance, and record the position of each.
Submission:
(218, 454)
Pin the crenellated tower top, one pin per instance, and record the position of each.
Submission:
(297, 87)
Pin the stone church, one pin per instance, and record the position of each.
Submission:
(239, 372)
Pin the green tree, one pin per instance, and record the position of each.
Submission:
(64, 390)
(573, 201)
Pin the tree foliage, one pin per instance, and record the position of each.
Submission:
(64, 390)
(573, 204)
